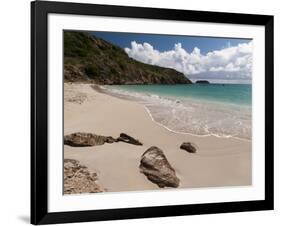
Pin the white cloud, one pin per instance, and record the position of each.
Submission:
(232, 62)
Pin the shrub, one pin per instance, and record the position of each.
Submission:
(91, 71)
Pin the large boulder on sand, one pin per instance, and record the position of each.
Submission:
(86, 139)
(157, 169)
(189, 147)
(128, 139)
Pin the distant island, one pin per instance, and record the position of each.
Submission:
(91, 59)
(202, 82)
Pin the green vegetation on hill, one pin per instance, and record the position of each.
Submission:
(91, 59)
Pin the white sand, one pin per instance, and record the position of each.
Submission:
(218, 162)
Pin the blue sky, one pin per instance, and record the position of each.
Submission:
(167, 42)
(196, 57)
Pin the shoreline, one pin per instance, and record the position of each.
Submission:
(219, 162)
(192, 134)
(101, 89)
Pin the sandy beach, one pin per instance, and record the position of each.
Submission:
(217, 162)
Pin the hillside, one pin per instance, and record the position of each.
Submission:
(90, 59)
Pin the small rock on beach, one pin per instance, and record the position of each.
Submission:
(128, 139)
(86, 139)
(189, 147)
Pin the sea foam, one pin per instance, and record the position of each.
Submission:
(193, 116)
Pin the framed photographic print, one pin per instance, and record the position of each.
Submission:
(145, 112)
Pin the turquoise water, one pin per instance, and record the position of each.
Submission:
(200, 109)
(240, 94)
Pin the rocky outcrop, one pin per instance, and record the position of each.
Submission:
(91, 59)
(78, 179)
(189, 147)
(73, 73)
(86, 139)
(155, 166)
(128, 139)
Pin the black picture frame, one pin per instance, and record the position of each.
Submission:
(39, 112)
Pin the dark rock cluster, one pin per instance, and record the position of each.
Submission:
(153, 164)
(89, 139)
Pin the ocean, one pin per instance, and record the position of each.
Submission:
(223, 110)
